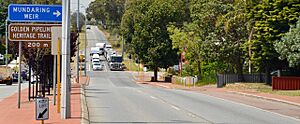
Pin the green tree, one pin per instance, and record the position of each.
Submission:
(289, 46)
(272, 19)
(150, 39)
(74, 21)
(108, 12)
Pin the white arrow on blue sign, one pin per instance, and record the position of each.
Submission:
(34, 13)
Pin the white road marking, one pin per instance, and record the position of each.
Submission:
(242, 104)
(153, 97)
(191, 115)
(174, 107)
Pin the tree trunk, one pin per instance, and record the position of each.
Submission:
(199, 69)
(239, 68)
(268, 75)
(155, 74)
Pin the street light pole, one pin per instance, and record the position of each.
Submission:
(77, 20)
(65, 72)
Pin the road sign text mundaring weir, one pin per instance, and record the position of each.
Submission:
(34, 13)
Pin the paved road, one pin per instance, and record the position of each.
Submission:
(94, 35)
(113, 97)
(8, 90)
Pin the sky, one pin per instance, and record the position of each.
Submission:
(83, 5)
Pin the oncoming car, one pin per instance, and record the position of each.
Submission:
(97, 66)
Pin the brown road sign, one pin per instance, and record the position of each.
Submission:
(30, 32)
(38, 44)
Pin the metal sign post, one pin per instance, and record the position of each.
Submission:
(19, 75)
(42, 109)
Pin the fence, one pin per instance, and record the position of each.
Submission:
(185, 81)
(223, 79)
(286, 83)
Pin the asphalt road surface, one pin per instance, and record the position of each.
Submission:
(114, 97)
(8, 90)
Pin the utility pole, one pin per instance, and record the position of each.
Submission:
(66, 75)
(78, 59)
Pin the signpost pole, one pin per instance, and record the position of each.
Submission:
(58, 75)
(54, 80)
(19, 75)
(6, 45)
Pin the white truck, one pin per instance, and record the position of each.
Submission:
(101, 47)
(94, 50)
(107, 48)
(115, 63)
(109, 54)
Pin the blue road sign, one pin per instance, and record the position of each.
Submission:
(34, 13)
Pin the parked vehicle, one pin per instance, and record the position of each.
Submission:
(116, 63)
(24, 75)
(101, 47)
(15, 77)
(1, 57)
(5, 76)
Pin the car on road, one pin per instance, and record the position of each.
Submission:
(97, 66)
(88, 27)
(95, 56)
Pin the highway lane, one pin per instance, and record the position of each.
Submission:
(94, 35)
(114, 97)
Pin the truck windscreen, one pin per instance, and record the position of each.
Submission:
(116, 59)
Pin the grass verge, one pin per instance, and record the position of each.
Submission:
(261, 87)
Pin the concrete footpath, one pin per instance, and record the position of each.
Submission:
(10, 114)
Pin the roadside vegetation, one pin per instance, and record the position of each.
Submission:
(207, 36)
(261, 87)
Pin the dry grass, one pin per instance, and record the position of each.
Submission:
(261, 87)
